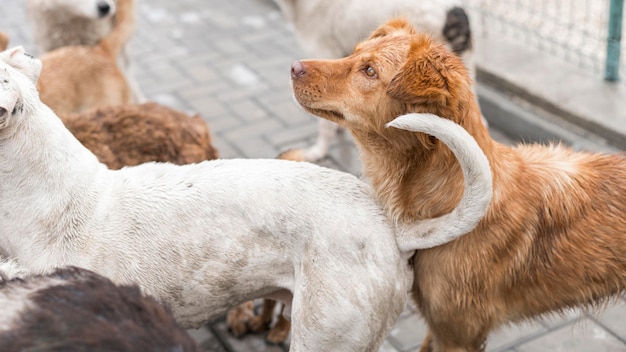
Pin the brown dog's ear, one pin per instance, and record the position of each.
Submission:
(398, 25)
(421, 79)
(4, 41)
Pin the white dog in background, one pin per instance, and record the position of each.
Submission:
(205, 237)
(60, 23)
(329, 29)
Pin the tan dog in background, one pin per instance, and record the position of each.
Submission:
(78, 78)
(554, 237)
(60, 23)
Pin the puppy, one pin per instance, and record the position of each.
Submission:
(554, 236)
(75, 309)
(329, 29)
(208, 236)
(78, 78)
(60, 23)
(129, 135)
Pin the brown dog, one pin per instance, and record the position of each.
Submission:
(129, 135)
(78, 78)
(555, 234)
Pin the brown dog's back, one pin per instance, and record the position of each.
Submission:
(133, 134)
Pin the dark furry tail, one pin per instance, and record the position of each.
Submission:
(457, 30)
(123, 29)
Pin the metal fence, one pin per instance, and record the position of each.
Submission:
(574, 30)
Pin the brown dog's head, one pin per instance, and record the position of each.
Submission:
(393, 72)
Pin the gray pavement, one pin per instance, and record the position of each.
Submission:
(229, 61)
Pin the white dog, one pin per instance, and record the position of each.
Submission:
(59, 23)
(205, 237)
(330, 29)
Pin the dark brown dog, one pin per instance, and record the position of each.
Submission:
(128, 135)
(555, 234)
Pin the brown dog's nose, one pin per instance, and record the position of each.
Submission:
(297, 69)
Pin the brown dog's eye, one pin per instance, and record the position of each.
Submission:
(370, 72)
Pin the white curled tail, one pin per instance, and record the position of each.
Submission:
(477, 181)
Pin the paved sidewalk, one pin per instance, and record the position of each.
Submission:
(229, 61)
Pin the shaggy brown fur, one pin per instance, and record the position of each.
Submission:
(555, 234)
(133, 134)
(76, 310)
(77, 78)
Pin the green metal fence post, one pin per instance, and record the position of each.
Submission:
(614, 39)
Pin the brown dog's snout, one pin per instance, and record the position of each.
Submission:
(297, 70)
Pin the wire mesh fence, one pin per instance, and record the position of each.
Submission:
(574, 30)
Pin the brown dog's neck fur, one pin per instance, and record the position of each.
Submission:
(413, 183)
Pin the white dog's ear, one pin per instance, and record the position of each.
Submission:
(23, 62)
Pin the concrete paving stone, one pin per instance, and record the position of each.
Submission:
(256, 147)
(221, 123)
(209, 107)
(613, 319)
(511, 335)
(290, 113)
(408, 333)
(207, 89)
(171, 100)
(582, 336)
(197, 72)
(252, 342)
(232, 96)
(206, 340)
(253, 129)
(249, 110)
(225, 148)
(306, 130)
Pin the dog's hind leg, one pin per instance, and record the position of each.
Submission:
(262, 322)
(280, 331)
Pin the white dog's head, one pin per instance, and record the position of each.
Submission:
(94, 9)
(19, 72)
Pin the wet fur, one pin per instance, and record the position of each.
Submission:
(555, 234)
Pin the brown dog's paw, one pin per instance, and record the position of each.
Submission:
(280, 331)
(237, 319)
(292, 154)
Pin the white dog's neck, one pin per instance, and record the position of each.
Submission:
(32, 171)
